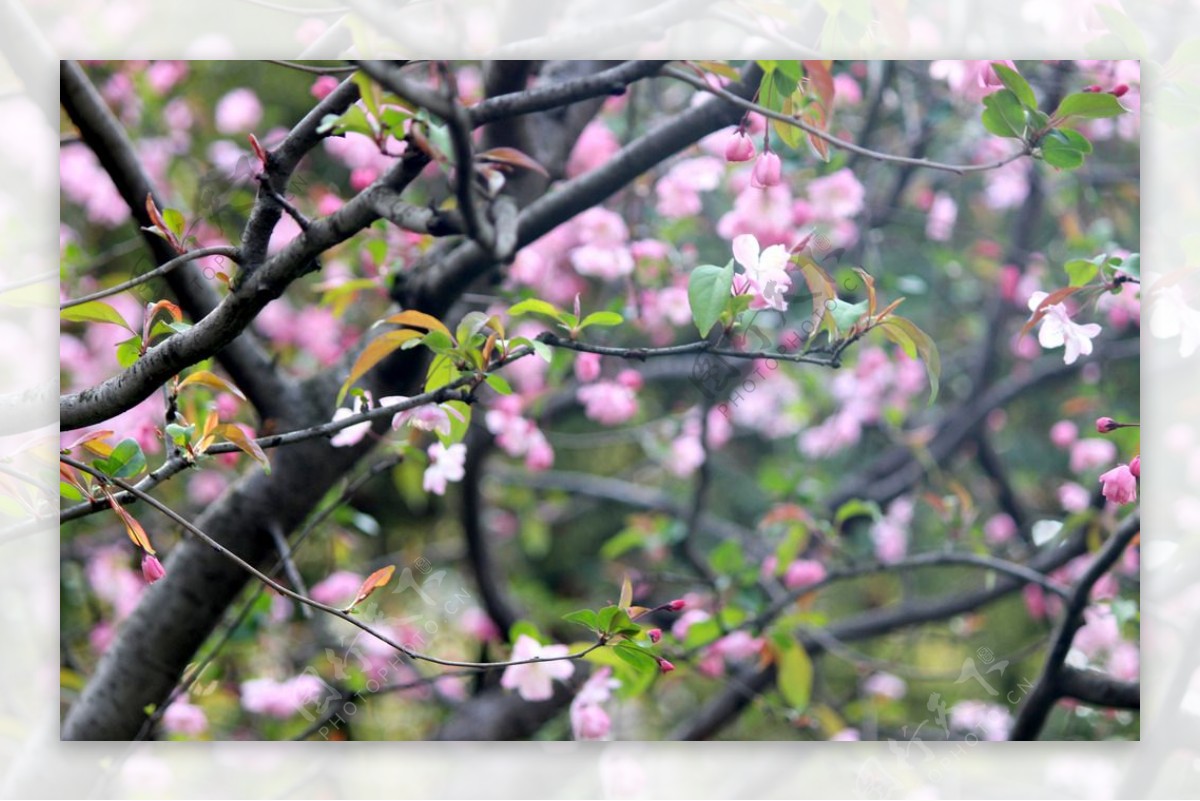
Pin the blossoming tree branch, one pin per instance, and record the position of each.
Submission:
(600, 400)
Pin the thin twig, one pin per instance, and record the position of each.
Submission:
(960, 169)
(159, 271)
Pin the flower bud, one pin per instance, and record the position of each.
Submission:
(739, 147)
(1135, 467)
(1093, 88)
(1106, 424)
(655, 635)
(664, 665)
(1119, 90)
(676, 605)
(152, 569)
(768, 171)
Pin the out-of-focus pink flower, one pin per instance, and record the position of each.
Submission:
(163, 75)
(890, 534)
(337, 589)
(739, 147)
(445, 465)
(1058, 330)
(1099, 633)
(688, 619)
(999, 529)
(1124, 663)
(738, 646)
(768, 171)
(1120, 485)
(477, 624)
(1073, 497)
(846, 90)
(885, 685)
(1035, 601)
(280, 699)
(595, 146)
(970, 80)
(987, 721)
(1064, 433)
(1089, 454)
(182, 717)
(679, 190)
(1135, 467)
(687, 454)
(589, 721)
(587, 367)
(609, 403)
(322, 86)
(838, 195)
(152, 569)
(943, 213)
(802, 573)
(533, 681)
(238, 111)
(847, 735)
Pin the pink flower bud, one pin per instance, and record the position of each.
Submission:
(152, 569)
(1135, 467)
(1093, 88)
(1120, 485)
(739, 147)
(1106, 424)
(655, 635)
(1119, 90)
(664, 665)
(767, 171)
(676, 605)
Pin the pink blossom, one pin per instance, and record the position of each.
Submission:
(605, 263)
(1035, 601)
(84, 182)
(885, 685)
(942, 215)
(765, 213)
(602, 227)
(608, 402)
(1100, 632)
(182, 717)
(739, 147)
(768, 171)
(238, 111)
(433, 417)
(477, 624)
(588, 720)
(1135, 466)
(839, 195)
(679, 190)
(322, 86)
(847, 735)
(1064, 433)
(337, 589)
(587, 367)
(152, 569)
(1124, 663)
(445, 464)
(1120, 485)
(687, 454)
(803, 573)
(890, 534)
(1057, 329)
(738, 646)
(846, 90)
(206, 486)
(595, 146)
(987, 721)
(540, 455)
(688, 619)
(352, 434)
(161, 76)
(280, 699)
(970, 80)
(1089, 454)
(766, 274)
(1073, 497)
(999, 529)
(533, 680)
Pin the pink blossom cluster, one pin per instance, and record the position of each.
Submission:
(612, 402)
(876, 383)
(534, 680)
(589, 720)
(687, 452)
(280, 699)
(890, 534)
(519, 436)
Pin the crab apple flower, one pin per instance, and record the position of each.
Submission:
(280, 699)
(1106, 424)
(1058, 330)
(588, 720)
(445, 464)
(587, 367)
(686, 621)
(885, 685)
(182, 717)
(768, 171)
(238, 111)
(1073, 497)
(999, 529)
(322, 86)
(943, 213)
(655, 635)
(766, 273)
(665, 665)
(1064, 433)
(1135, 467)
(152, 569)
(802, 573)
(1088, 454)
(533, 680)
(350, 435)
(609, 403)
(837, 196)
(1120, 484)
(739, 147)
(336, 589)
(738, 646)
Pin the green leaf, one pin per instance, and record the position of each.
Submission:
(619, 543)
(584, 617)
(905, 333)
(702, 633)
(856, 507)
(69, 491)
(845, 315)
(535, 306)
(1013, 81)
(125, 461)
(498, 383)
(727, 558)
(471, 324)
(175, 222)
(1089, 105)
(524, 627)
(1081, 271)
(1133, 265)
(128, 351)
(441, 372)
(1065, 149)
(709, 291)
(605, 618)
(603, 318)
(795, 675)
(459, 423)
(1004, 115)
(437, 341)
(95, 311)
(636, 657)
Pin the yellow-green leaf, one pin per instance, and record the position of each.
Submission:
(376, 351)
(95, 311)
(212, 381)
(235, 434)
(416, 319)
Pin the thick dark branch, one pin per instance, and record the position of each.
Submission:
(543, 98)
(236, 311)
(241, 356)
(1095, 688)
(1040, 701)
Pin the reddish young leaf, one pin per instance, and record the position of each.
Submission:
(374, 581)
(90, 437)
(212, 381)
(513, 158)
(416, 319)
(238, 436)
(376, 351)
